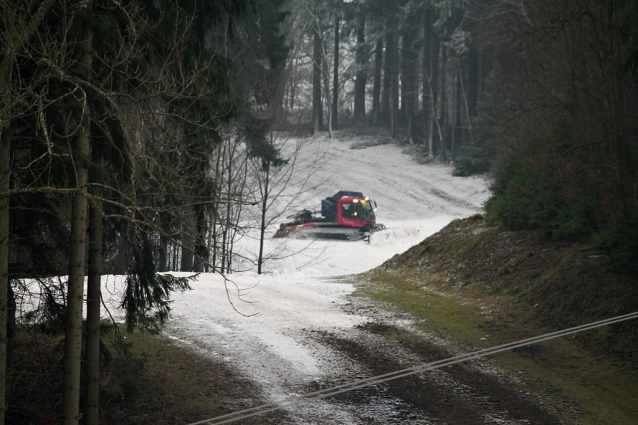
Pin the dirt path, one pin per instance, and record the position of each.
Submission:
(303, 331)
(459, 394)
(473, 393)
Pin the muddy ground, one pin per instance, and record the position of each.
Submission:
(476, 392)
(468, 393)
(464, 289)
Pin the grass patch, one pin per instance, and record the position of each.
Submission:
(145, 379)
(602, 393)
(179, 385)
(183, 382)
(441, 312)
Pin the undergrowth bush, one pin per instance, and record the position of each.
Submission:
(621, 246)
(471, 160)
(566, 194)
(35, 375)
(526, 198)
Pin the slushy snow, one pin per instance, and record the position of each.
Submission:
(259, 324)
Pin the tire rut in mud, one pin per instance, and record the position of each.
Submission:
(453, 395)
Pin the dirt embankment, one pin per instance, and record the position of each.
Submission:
(468, 286)
(472, 286)
(552, 285)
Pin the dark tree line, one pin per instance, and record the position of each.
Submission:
(541, 93)
(558, 116)
(413, 66)
(120, 132)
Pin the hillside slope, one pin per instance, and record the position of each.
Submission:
(551, 286)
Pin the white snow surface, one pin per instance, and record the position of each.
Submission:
(259, 323)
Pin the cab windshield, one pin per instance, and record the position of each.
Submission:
(361, 211)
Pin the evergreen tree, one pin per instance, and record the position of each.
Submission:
(126, 91)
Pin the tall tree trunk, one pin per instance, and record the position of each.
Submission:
(326, 84)
(79, 220)
(361, 77)
(188, 241)
(215, 208)
(262, 229)
(458, 132)
(473, 83)
(434, 129)
(162, 248)
(227, 239)
(237, 215)
(465, 116)
(5, 175)
(93, 301)
(19, 28)
(376, 88)
(454, 118)
(292, 85)
(394, 76)
(73, 330)
(388, 65)
(200, 238)
(175, 257)
(209, 267)
(408, 76)
(392, 113)
(403, 77)
(335, 79)
(222, 219)
(426, 74)
(443, 111)
(162, 265)
(317, 107)
(5, 171)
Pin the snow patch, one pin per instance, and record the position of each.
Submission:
(269, 340)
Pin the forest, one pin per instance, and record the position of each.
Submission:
(139, 137)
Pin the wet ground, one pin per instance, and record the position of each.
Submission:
(470, 393)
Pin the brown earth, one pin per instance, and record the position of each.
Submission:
(466, 281)
(553, 285)
(477, 287)
(467, 287)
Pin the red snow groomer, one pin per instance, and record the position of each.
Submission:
(346, 215)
